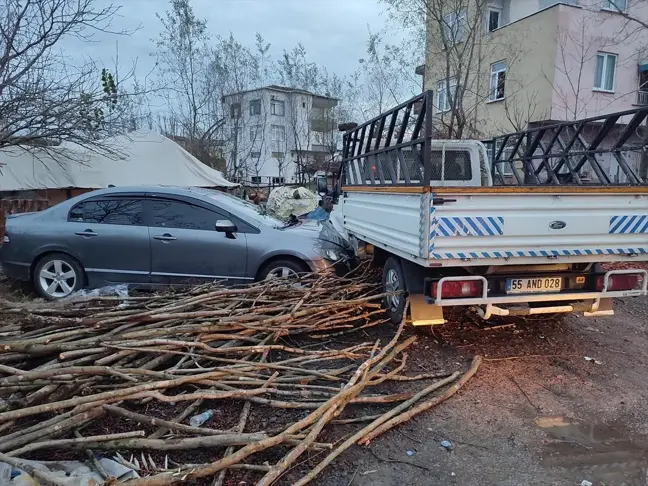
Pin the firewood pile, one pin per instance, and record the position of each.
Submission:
(71, 369)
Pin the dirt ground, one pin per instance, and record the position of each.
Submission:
(536, 413)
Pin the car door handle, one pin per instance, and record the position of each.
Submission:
(165, 237)
(87, 232)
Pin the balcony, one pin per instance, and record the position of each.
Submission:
(322, 124)
(642, 97)
(323, 148)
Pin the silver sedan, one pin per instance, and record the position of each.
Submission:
(153, 236)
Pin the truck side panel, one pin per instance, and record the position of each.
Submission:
(397, 222)
(518, 226)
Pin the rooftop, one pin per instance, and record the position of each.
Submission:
(282, 89)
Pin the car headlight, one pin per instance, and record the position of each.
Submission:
(332, 255)
(328, 253)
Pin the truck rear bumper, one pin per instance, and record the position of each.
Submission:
(592, 303)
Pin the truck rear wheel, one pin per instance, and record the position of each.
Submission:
(394, 281)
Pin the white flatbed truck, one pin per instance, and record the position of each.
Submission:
(520, 232)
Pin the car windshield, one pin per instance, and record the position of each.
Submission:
(247, 209)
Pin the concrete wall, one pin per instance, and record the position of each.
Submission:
(583, 33)
(530, 62)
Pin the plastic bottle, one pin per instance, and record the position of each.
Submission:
(201, 418)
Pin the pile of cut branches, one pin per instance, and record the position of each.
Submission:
(69, 370)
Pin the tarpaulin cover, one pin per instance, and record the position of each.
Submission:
(284, 201)
(142, 158)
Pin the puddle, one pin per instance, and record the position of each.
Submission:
(597, 452)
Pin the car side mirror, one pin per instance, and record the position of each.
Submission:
(322, 186)
(225, 226)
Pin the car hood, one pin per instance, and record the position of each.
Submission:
(321, 231)
(307, 228)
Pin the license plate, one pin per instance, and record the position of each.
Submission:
(533, 285)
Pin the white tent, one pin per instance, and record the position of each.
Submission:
(145, 158)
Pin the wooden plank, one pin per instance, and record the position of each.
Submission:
(543, 190)
(390, 189)
(503, 190)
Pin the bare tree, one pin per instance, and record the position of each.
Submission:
(184, 81)
(454, 38)
(635, 18)
(46, 98)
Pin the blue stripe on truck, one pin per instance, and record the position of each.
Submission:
(628, 224)
(545, 253)
(470, 226)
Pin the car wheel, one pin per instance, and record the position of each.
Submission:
(282, 269)
(56, 276)
(394, 281)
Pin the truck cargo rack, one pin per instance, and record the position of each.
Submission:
(392, 148)
(395, 149)
(574, 152)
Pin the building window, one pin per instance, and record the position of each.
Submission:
(277, 107)
(278, 155)
(494, 18)
(233, 134)
(255, 155)
(497, 81)
(615, 5)
(278, 133)
(255, 132)
(455, 27)
(278, 180)
(255, 107)
(642, 95)
(605, 72)
(255, 179)
(235, 110)
(444, 103)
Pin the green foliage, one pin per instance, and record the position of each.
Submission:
(109, 88)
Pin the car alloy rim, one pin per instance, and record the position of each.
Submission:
(57, 278)
(281, 272)
(392, 284)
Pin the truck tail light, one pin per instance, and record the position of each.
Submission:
(459, 289)
(620, 282)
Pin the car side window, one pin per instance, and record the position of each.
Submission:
(166, 213)
(127, 212)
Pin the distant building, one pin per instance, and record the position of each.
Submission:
(278, 134)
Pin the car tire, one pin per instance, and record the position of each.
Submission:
(283, 268)
(393, 280)
(57, 276)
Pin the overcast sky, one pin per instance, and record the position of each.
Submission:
(334, 32)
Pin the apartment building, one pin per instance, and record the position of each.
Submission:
(278, 135)
(534, 62)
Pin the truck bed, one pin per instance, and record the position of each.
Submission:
(500, 226)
